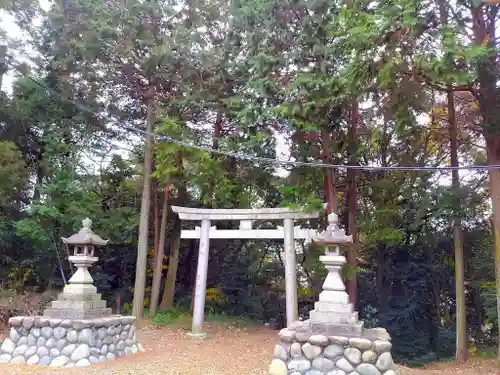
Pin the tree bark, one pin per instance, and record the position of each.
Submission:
(493, 150)
(382, 293)
(142, 243)
(156, 205)
(167, 301)
(435, 286)
(155, 289)
(3, 64)
(462, 342)
(483, 25)
(352, 192)
(329, 181)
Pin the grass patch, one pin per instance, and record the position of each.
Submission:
(171, 318)
(235, 321)
(182, 319)
(485, 352)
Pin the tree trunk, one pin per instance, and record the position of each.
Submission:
(382, 293)
(461, 313)
(484, 28)
(435, 287)
(142, 243)
(167, 301)
(462, 342)
(3, 64)
(352, 261)
(192, 275)
(493, 150)
(217, 131)
(329, 181)
(156, 219)
(155, 289)
(476, 299)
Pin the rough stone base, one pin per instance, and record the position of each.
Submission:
(302, 352)
(40, 340)
(77, 314)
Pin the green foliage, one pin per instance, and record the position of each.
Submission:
(489, 297)
(13, 174)
(236, 284)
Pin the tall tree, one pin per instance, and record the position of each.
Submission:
(352, 201)
(142, 243)
(484, 29)
(462, 339)
(461, 313)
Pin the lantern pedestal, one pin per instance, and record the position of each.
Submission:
(333, 314)
(80, 299)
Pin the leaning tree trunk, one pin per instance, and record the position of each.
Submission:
(157, 272)
(167, 301)
(156, 216)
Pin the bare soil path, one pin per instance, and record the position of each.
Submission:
(227, 351)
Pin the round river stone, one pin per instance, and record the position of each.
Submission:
(311, 351)
(353, 355)
(367, 369)
(279, 352)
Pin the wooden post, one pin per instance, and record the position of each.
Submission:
(292, 310)
(118, 303)
(201, 281)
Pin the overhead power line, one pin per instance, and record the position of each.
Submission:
(242, 156)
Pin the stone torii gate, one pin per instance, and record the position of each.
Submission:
(288, 232)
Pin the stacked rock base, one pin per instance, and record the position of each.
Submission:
(44, 341)
(302, 352)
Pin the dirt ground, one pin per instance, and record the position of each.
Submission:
(227, 351)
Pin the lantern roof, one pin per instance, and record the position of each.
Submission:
(85, 236)
(333, 235)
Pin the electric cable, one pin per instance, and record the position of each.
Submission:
(247, 157)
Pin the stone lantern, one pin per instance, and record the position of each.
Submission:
(78, 323)
(84, 243)
(80, 299)
(333, 340)
(333, 312)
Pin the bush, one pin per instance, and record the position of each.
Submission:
(27, 304)
(446, 342)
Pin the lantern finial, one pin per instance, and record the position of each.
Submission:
(86, 223)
